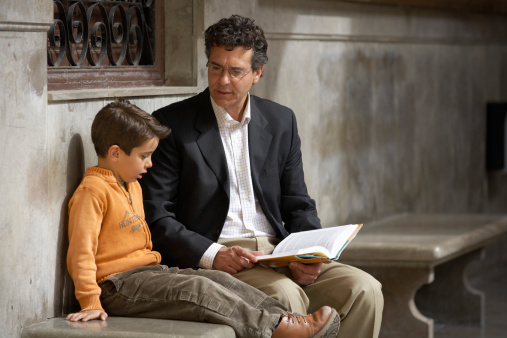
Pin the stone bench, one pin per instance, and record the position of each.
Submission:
(123, 327)
(405, 252)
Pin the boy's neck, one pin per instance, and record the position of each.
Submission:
(104, 163)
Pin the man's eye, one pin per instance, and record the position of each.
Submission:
(236, 72)
(216, 68)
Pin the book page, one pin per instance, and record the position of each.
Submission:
(311, 251)
(327, 238)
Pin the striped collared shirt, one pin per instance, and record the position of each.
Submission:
(245, 217)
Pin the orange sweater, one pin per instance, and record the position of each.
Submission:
(107, 234)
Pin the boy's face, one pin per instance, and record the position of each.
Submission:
(131, 167)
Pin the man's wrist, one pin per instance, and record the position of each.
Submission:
(209, 256)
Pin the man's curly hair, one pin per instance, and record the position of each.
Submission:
(238, 31)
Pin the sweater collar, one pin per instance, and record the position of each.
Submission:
(105, 173)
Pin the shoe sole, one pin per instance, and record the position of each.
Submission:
(330, 328)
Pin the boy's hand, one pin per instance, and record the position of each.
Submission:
(87, 315)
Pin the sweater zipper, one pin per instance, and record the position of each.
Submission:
(143, 226)
(127, 194)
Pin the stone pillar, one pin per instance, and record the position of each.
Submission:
(27, 240)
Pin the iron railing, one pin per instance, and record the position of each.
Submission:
(92, 33)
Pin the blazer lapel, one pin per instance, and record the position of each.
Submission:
(259, 140)
(210, 143)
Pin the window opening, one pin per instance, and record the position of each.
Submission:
(113, 43)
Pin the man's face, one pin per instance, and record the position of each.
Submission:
(231, 93)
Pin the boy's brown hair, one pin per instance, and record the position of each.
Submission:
(125, 125)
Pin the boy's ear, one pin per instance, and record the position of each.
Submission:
(113, 153)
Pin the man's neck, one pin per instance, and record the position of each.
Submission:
(238, 116)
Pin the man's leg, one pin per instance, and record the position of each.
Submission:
(194, 295)
(277, 286)
(356, 296)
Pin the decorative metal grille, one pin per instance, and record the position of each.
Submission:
(93, 33)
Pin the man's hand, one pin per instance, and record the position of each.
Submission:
(305, 274)
(87, 315)
(235, 259)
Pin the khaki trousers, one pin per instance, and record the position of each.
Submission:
(355, 295)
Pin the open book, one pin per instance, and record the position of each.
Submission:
(312, 246)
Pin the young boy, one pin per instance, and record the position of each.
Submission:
(110, 255)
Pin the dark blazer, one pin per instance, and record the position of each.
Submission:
(186, 192)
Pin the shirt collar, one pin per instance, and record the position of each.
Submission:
(224, 119)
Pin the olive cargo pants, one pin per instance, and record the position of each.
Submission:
(194, 295)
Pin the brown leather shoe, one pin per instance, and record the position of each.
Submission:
(323, 323)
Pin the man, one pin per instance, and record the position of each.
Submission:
(228, 184)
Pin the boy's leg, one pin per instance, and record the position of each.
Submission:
(194, 295)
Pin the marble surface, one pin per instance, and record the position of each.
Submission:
(122, 327)
(423, 239)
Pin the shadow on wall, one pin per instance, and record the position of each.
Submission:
(65, 301)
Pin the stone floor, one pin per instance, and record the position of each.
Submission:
(494, 284)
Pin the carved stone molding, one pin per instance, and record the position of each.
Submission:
(471, 6)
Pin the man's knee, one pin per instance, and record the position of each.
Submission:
(289, 294)
(353, 288)
(368, 291)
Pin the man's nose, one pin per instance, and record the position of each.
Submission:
(225, 77)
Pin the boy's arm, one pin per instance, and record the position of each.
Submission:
(85, 218)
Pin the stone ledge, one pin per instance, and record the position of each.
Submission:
(123, 327)
(422, 239)
(90, 94)
(421, 261)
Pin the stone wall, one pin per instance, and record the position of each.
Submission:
(390, 104)
(27, 240)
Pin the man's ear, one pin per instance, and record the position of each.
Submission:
(113, 153)
(257, 74)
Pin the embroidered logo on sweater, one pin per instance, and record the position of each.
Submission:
(131, 220)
